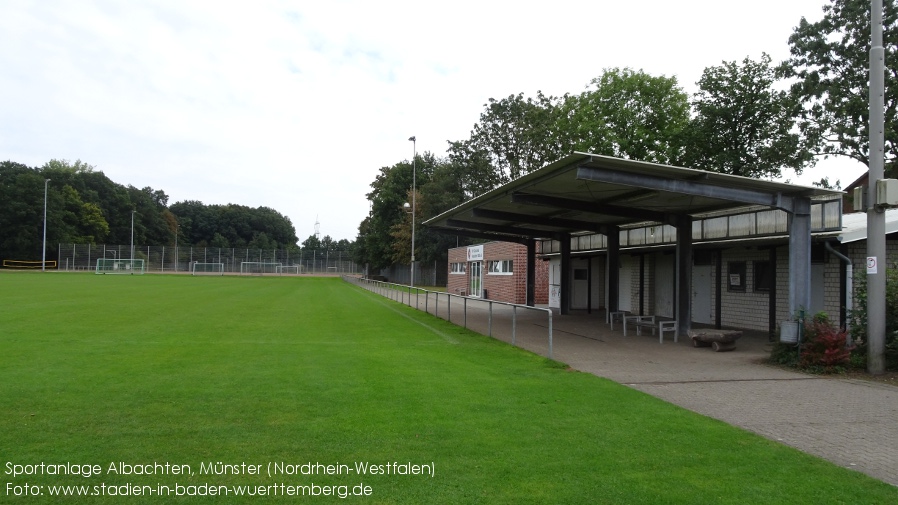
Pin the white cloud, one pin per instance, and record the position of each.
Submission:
(296, 105)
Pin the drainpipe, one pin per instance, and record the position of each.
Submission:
(849, 288)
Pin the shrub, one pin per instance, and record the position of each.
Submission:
(858, 318)
(825, 347)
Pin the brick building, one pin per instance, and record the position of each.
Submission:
(496, 271)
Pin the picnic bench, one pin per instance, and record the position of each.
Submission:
(661, 326)
(719, 340)
(616, 316)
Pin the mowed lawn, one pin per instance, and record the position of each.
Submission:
(257, 370)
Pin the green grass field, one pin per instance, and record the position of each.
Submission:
(184, 370)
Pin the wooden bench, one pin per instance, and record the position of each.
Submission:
(719, 340)
(641, 322)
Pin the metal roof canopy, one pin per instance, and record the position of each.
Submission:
(590, 193)
(586, 192)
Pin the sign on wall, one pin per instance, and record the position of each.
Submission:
(475, 253)
(871, 265)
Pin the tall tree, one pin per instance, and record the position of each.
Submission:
(830, 62)
(629, 114)
(390, 190)
(312, 243)
(472, 167)
(518, 134)
(238, 225)
(743, 125)
(21, 211)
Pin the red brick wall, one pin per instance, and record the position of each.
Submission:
(505, 288)
(457, 283)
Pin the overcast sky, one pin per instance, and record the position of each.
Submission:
(295, 105)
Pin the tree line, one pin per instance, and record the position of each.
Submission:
(85, 206)
(752, 118)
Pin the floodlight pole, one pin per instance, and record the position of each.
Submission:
(132, 238)
(44, 254)
(876, 245)
(414, 187)
(177, 229)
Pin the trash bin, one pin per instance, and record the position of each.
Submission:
(789, 332)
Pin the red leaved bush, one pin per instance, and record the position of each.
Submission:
(824, 346)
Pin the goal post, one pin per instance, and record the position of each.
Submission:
(288, 269)
(200, 268)
(258, 267)
(120, 266)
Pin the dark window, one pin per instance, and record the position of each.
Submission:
(763, 275)
(736, 276)
(818, 253)
(703, 257)
(580, 274)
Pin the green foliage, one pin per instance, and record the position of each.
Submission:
(623, 112)
(628, 114)
(743, 125)
(85, 206)
(784, 354)
(830, 63)
(520, 135)
(376, 244)
(823, 348)
(234, 225)
(858, 318)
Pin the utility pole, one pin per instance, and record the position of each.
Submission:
(44, 254)
(876, 236)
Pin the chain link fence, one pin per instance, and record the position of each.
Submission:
(426, 274)
(83, 257)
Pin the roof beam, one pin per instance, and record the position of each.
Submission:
(476, 234)
(592, 207)
(499, 229)
(693, 188)
(571, 224)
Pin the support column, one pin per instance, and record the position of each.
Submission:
(718, 288)
(771, 306)
(800, 256)
(684, 274)
(531, 272)
(612, 273)
(642, 284)
(565, 240)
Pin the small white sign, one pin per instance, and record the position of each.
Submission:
(554, 296)
(871, 265)
(475, 253)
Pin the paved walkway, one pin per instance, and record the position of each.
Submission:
(852, 423)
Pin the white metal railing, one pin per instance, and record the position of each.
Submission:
(411, 296)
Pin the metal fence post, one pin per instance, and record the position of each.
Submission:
(514, 322)
(550, 334)
(490, 320)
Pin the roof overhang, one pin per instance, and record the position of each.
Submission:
(585, 192)
(855, 225)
